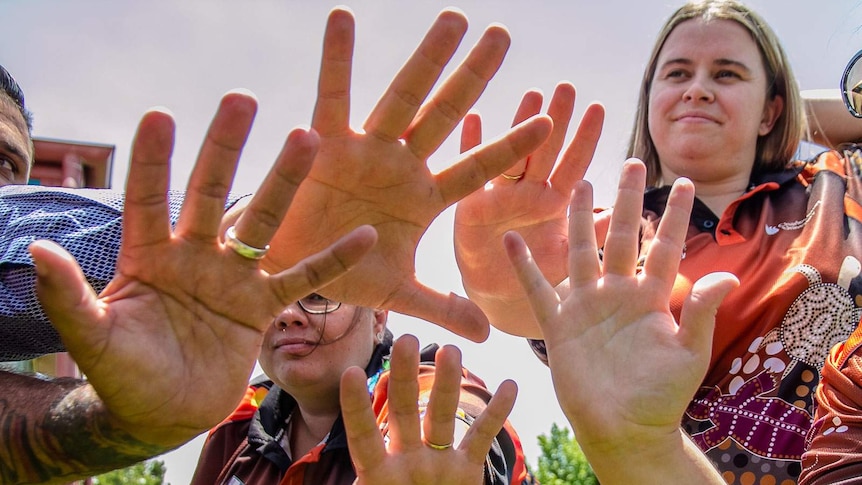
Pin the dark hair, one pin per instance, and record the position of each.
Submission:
(11, 89)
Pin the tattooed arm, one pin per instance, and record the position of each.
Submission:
(56, 431)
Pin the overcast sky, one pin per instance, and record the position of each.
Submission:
(89, 69)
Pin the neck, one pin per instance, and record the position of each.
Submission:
(309, 426)
(717, 194)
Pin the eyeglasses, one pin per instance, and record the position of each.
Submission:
(315, 304)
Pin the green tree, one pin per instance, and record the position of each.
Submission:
(562, 462)
(145, 473)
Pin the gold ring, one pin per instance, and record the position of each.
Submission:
(241, 248)
(435, 446)
(514, 177)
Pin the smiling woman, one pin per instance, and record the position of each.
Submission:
(720, 113)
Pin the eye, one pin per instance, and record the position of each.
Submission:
(314, 297)
(676, 73)
(726, 74)
(8, 168)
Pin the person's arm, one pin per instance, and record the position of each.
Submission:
(829, 122)
(420, 450)
(832, 454)
(378, 174)
(623, 369)
(168, 346)
(534, 204)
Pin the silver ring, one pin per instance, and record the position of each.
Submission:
(435, 446)
(241, 248)
(514, 177)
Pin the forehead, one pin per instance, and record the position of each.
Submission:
(696, 40)
(13, 129)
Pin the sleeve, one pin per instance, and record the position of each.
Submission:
(85, 222)
(832, 453)
(505, 463)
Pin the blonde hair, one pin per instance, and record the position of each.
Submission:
(775, 149)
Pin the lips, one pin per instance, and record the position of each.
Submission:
(696, 116)
(293, 345)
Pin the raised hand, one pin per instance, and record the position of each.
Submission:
(379, 175)
(423, 452)
(531, 197)
(623, 370)
(170, 343)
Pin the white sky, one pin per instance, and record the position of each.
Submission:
(89, 69)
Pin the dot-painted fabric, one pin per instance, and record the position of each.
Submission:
(794, 240)
(86, 222)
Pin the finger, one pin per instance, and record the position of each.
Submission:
(697, 317)
(530, 105)
(560, 110)
(68, 300)
(332, 110)
(438, 427)
(578, 155)
(478, 166)
(665, 251)
(471, 132)
(543, 299)
(487, 425)
(323, 267)
(623, 239)
(261, 218)
(213, 173)
(394, 112)
(442, 113)
(367, 449)
(584, 265)
(450, 311)
(145, 214)
(404, 394)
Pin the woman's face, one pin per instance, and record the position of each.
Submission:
(296, 358)
(708, 102)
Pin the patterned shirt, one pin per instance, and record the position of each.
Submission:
(794, 240)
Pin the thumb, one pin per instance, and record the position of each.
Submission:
(697, 318)
(452, 312)
(67, 298)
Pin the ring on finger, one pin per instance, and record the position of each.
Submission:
(435, 446)
(513, 177)
(241, 248)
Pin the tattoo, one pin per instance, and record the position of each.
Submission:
(59, 430)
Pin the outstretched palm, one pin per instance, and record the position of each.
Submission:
(379, 176)
(171, 341)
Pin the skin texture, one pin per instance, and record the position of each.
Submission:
(613, 333)
(406, 459)
(15, 152)
(165, 319)
(707, 107)
(535, 206)
(379, 176)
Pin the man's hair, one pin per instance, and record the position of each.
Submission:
(11, 89)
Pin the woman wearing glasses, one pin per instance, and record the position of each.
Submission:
(290, 428)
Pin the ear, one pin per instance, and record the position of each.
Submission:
(380, 318)
(771, 111)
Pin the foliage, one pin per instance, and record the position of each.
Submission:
(562, 462)
(145, 473)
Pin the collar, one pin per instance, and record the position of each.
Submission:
(269, 423)
(702, 217)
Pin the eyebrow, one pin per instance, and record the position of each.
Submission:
(724, 62)
(15, 150)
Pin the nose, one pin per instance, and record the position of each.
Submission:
(291, 315)
(699, 90)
